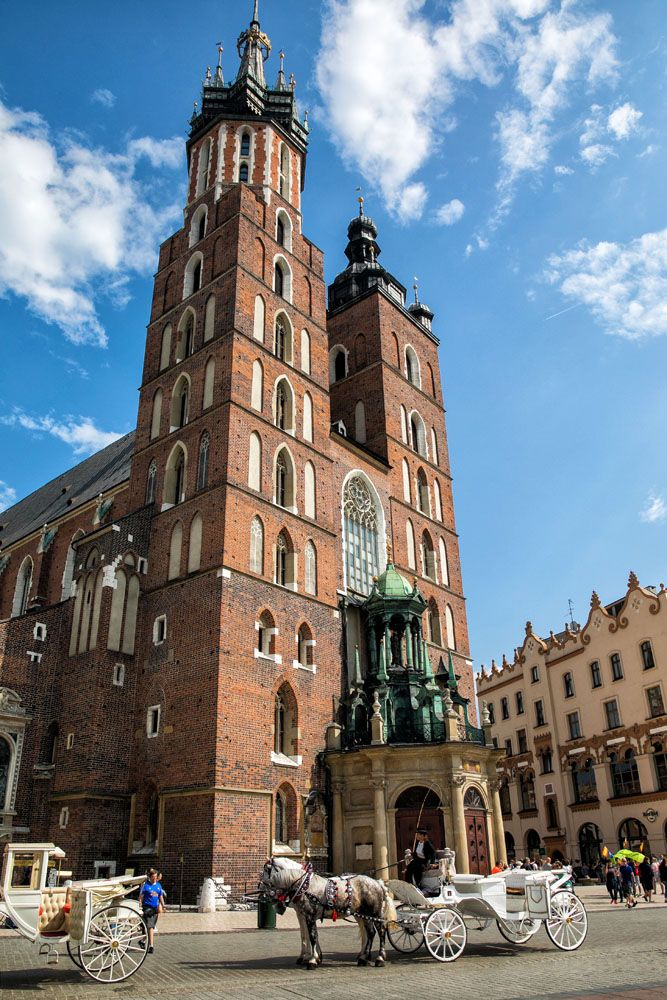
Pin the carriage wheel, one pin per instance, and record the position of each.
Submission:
(518, 931)
(567, 923)
(407, 934)
(445, 934)
(74, 955)
(117, 944)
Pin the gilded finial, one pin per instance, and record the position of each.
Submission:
(292, 81)
(360, 199)
(390, 557)
(632, 580)
(595, 600)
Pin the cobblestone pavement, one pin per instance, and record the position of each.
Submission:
(624, 956)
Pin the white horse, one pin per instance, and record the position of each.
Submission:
(289, 883)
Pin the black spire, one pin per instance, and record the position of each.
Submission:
(248, 96)
(363, 272)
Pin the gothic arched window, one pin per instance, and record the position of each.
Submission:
(284, 570)
(22, 589)
(284, 479)
(361, 541)
(284, 406)
(174, 487)
(151, 482)
(245, 144)
(310, 559)
(422, 492)
(283, 339)
(243, 173)
(202, 466)
(256, 546)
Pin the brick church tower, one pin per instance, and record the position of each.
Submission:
(242, 629)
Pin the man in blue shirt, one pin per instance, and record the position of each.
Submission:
(151, 898)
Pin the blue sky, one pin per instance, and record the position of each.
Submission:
(513, 154)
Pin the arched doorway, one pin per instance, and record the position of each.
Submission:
(632, 834)
(510, 846)
(590, 844)
(533, 844)
(476, 832)
(418, 807)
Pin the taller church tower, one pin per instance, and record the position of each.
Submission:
(233, 451)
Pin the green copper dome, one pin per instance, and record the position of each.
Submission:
(392, 584)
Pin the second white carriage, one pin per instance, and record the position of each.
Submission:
(519, 902)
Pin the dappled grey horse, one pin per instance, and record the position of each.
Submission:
(290, 883)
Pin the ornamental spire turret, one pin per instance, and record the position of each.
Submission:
(280, 82)
(254, 48)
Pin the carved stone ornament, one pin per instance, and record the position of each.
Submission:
(10, 703)
(459, 780)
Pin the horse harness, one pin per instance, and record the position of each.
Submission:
(300, 890)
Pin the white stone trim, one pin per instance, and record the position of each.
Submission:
(284, 761)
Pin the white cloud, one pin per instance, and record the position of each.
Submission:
(623, 121)
(450, 213)
(623, 285)
(655, 509)
(389, 76)
(601, 128)
(563, 171)
(75, 222)
(596, 154)
(78, 432)
(104, 97)
(7, 495)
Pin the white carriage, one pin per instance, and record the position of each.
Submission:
(519, 902)
(104, 932)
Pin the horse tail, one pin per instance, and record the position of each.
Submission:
(389, 914)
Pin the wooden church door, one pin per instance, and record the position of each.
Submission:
(417, 807)
(476, 833)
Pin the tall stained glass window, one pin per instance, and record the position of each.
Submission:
(361, 535)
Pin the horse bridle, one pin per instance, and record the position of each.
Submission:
(294, 892)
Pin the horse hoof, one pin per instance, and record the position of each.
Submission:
(379, 963)
(362, 961)
(311, 965)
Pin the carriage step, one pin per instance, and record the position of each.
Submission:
(51, 954)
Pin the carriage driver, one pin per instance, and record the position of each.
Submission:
(423, 855)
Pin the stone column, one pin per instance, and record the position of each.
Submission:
(458, 815)
(337, 845)
(380, 847)
(497, 819)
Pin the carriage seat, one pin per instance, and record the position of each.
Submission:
(478, 885)
(54, 913)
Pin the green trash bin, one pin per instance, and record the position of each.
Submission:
(266, 915)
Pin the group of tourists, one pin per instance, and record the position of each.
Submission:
(530, 865)
(627, 881)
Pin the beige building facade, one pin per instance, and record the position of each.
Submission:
(582, 718)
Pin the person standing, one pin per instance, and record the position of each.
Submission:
(151, 899)
(612, 883)
(627, 882)
(422, 855)
(662, 872)
(646, 879)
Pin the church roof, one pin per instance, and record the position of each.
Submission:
(392, 584)
(98, 474)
